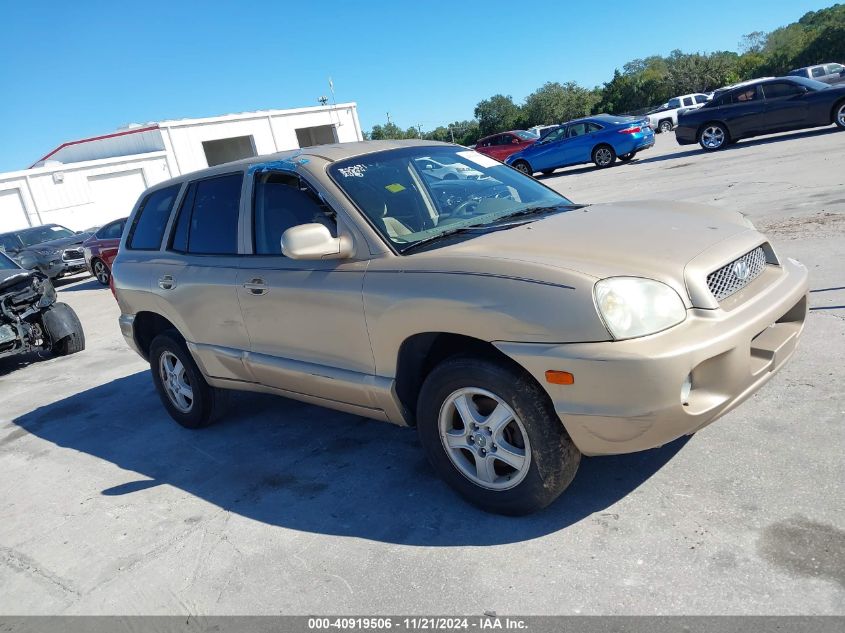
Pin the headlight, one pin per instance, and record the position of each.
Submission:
(632, 306)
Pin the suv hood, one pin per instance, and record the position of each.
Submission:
(653, 239)
(62, 242)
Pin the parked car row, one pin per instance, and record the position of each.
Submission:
(55, 251)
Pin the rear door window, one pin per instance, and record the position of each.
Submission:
(818, 71)
(744, 95)
(151, 219)
(208, 218)
(688, 101)
(701, 98)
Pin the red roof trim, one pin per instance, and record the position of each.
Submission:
(93, 138)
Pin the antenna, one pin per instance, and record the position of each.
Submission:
(334, 102)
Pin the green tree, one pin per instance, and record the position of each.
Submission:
(556, 103)
(497, 113)
(388, 131)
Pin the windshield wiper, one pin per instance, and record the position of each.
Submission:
(539, 210)
(473, 228)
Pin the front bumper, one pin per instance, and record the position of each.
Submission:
(58, 267)
(627, 394)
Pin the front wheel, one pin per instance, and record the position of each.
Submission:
(839, 119)
(665, 126)
(524, 167)
(604, 156)
(188, 398)
(713, 136)
(492, 433)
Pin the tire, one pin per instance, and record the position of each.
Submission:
(628, 156)
(200, 404)
(665, 126)
(101, 271)
(73, 342)
(549, 459)
(713, 136)
(839, 115)
(604, 156)
(524, 167)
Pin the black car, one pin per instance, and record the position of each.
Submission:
(30, 318)
(50, 249)
(762, 107)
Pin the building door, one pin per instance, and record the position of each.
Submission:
(12, 211)
(113, 195)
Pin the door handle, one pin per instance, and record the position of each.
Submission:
(256, 286)
(167, 282)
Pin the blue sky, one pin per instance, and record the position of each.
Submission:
(75, 69)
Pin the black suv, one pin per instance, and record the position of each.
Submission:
(51, 249)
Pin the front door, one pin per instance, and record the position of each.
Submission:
(786, 105)
(305, 318)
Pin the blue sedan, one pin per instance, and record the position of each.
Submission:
(599, 139)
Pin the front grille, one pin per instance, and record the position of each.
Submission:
(71, 254)
(736, 275)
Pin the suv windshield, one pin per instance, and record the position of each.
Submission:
(408, 205)
(44, 234)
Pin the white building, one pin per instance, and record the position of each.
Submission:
(91, 181)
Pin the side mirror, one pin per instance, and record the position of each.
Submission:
(314, 241)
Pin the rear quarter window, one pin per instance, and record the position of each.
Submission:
(151, 219)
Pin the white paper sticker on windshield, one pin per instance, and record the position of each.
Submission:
(480, 159)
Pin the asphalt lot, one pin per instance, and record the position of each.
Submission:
(108, 507)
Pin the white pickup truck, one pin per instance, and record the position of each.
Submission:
(664, 118)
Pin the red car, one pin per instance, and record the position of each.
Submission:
(502, 145)
(101, 248)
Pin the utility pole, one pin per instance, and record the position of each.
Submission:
(452, 132)
(388, 118)
(419, 129)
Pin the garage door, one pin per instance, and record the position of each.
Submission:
(114, 195)
(12, 212)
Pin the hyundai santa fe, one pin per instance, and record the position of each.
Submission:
(515, 329)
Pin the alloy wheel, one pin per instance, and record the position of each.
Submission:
(484, 439)
(713, 137)
(840, 116)
(603, 156)
(665, 126)
(175, 381)
(101, 272)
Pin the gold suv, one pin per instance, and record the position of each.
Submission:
(515, 329)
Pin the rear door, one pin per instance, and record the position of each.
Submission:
(305, 318)
(195, 279)
(786, 105)
(744, 111)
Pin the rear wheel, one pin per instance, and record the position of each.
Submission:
(101, 271)
(188, 398)
(492, 433)
(839, 117)
(713, 136)
(665, 126)
(524, 167)
(604, 156)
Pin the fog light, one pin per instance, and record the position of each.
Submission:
(685, 390)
